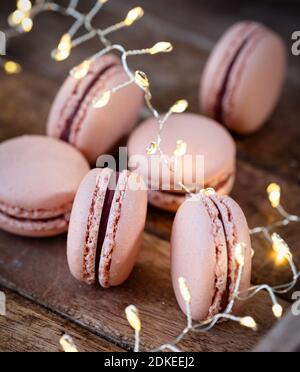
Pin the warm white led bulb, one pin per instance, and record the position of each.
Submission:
(12, 68)
(161, 47)
(16, 18)
(134, 15)
(274, 193)
(184, 290)
(64, 48)
(240, 251)
(27, 24)
(24, 5)
(141, 79)
(180, 106)
(280, 247)
(209, 191)
(133, 318)
(80, 71)
(68, 344)
(65, 42)
(152, 148)
(277, 311)
(102, 100)
(181, 148)
(248, 322)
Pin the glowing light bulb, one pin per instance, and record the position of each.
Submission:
(68, 344)
(64, 48)
(80, 71)
(103, 1)
(161, 47)
(152, 148)
(240, 253)
(277, 311)
(134, 15)
(248, 322)
(281, 248)
(12, 68)
(142, 79)
(27, 24)
(102, 100)
(181, 148)
(180, 106)
(24, 5)
(209, 191)
(133, 318)
(274, 192)
(184, 290)
(65, 43)
(16, 18)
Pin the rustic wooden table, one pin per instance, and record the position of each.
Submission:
(43, 301)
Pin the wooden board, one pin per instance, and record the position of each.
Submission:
(28, 327)
(37, 269)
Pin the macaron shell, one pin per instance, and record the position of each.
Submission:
(71, 93)
(193, 257)
(166, 201)
(34, 229)
(125, 229)
(171, 202)
(203, 137)
(96, 131)
(218, 62)
(112, 122)
(195, 236)
(79, 225)
(256, 83)
(242, 236)
(40, 174)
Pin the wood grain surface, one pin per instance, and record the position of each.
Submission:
(29, 327)
(37, 269)
(34, 273)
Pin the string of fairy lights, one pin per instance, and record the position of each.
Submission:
(22, 21)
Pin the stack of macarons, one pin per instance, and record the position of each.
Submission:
(47, 187)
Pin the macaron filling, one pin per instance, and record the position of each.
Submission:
(221, 273)
(66, 133)
(219, 107)
(217, 185)
(101, 210)
(225, 281)
(219, 114)
(107, 206)
(231, 268)
(34, 220)
(59, 222)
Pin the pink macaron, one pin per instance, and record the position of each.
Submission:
(95, 131)
(244, 77)
(205, 141)
(39, 179)
(106, 227)
(204, 238)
